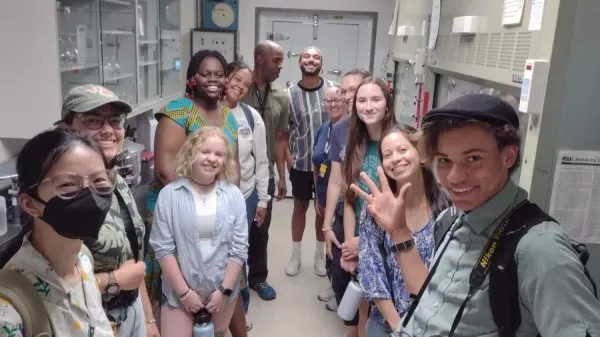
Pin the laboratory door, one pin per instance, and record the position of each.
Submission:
(345, 40)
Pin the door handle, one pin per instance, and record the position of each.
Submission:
(336, 72)
(277, 36)
(291, 54)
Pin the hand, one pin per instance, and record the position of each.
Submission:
(330, 240)
(290, 162)
(281, 189)
(349, 265)
(350, 248)
(320, 210)
(193, 303)
(216, 301)
(130, 275)
(152, 330)
(259, 215)
(387, 209)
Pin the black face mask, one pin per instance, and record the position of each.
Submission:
(78, 218)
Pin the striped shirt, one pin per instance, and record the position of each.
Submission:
(307, 114)
(176, 232)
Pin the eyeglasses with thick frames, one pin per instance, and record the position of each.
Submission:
(96, 122)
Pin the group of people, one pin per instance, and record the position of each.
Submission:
(381, 192)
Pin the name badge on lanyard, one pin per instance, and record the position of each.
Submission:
(327, 144)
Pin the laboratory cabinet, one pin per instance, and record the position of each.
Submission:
(132, 47)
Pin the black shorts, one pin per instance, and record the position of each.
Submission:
(303, 184)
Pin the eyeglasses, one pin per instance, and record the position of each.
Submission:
(68, 185)
(96, 122)
(336, 100)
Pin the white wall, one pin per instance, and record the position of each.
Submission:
(247, 20)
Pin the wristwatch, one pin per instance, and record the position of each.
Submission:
(403, 246)
(112, 288)
(226, 291)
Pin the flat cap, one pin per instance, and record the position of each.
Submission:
(479, 107)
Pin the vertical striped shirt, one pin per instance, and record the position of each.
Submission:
(307, 114)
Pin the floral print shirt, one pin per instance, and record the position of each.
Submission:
(75, 310)
(379, 273)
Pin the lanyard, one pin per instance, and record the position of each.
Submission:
(262, 101)
(327, 145)
(479, 272)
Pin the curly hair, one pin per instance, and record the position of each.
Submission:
(186, 157)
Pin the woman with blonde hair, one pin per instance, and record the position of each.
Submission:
(200, 235)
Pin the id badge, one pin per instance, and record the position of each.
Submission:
(245, 133)
(322, 170)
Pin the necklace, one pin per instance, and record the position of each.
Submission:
(203, 196)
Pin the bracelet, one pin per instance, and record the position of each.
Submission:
(186, 295)
(326, 229)
(152, 321)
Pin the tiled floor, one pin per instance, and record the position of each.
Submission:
(296, 311)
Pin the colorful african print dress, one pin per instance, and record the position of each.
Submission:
(183, 112)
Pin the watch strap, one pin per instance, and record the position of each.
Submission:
(403, 246)
(227, 292)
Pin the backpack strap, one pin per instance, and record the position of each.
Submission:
(443, 225)
(20, 293)
(248, 114)
(504, 282)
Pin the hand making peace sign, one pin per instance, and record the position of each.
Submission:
(387, 209)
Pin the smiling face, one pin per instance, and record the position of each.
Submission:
(210, 79)
(239, 84)
(311, 62)
(371, 105)
(471, 166)
(210, 158)
(400, 159)
(334, 103)
(349, 85)
(110, 136)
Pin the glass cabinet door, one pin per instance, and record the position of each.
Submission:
(118, 47)
(149, 53)
(405, 98)
(170, 53)
(79, 53)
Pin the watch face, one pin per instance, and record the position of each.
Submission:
(223, 15)
(112, 289)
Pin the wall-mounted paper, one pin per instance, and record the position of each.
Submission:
(513, 12)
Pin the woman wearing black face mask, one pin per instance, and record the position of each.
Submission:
(67, 189)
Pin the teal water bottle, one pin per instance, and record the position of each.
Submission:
(203, 326)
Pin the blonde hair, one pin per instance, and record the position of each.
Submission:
(186, 157)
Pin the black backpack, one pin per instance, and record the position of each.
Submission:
(503, 288)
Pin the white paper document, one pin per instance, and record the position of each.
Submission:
(575, 202)
(537, 14)
(513, 12)
(434, 29)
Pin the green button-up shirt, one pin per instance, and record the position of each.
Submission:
(556, 297)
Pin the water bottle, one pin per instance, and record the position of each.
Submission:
(3, 220)
(351, 301)
(203, 327)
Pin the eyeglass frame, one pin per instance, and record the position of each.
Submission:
(81, 187)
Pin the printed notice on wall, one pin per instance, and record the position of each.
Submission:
(575, 202)
(513, 12)
(537, 14)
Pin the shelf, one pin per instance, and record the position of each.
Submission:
(145, 42)
(148, 63)
(117, 2)
(116, 32)
(119, 77)
(77, 67)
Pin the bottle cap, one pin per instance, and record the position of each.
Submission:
(202, 317)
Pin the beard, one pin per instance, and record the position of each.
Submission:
(315, 72)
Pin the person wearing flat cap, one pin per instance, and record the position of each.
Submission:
(100, 114)
(494, 248)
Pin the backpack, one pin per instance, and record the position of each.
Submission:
(248, 114)
(21, 294)
(503, 288)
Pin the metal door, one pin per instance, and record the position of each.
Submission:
(405, 93)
